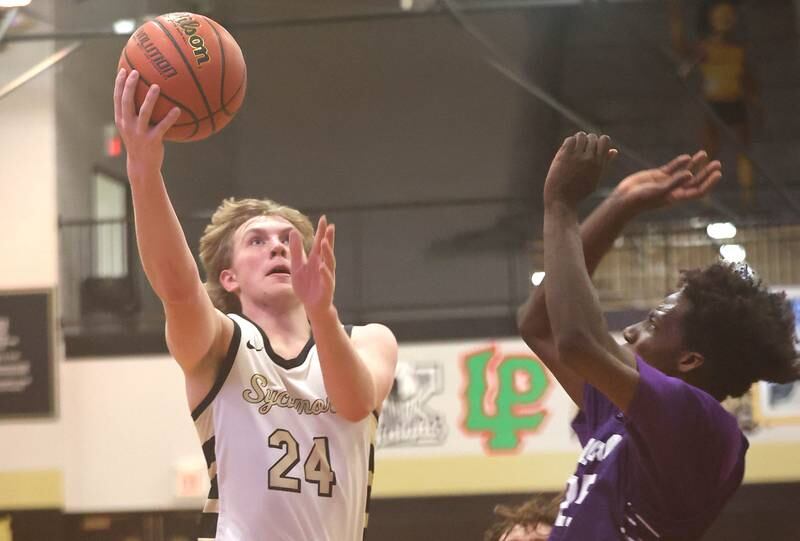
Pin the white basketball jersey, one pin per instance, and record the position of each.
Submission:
(283, 465)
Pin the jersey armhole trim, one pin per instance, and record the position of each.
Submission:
(224, 370)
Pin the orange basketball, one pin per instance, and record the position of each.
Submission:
(198, 66)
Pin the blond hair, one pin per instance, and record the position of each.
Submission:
(216, 244)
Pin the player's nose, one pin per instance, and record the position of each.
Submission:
(631, 333)
(278, 249)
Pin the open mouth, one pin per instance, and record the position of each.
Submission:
(279, 269)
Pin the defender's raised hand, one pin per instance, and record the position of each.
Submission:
(314, 275)
(144, 143)
(577, 167)
(683, 179)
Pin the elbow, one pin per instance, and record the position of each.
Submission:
(354, 409)
(533, 329)
(354, 414)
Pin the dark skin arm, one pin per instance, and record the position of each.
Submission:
(580, 332)
(682, 179)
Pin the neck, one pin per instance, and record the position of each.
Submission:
(284, 324)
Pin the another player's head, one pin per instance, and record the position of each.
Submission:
(721, 331)
(718, 17)
(530, 521)
(238, 244)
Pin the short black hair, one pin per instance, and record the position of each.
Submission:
(745, 332)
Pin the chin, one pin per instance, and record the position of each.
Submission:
(282, 293)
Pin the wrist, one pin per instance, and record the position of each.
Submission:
(323, 316)
(622, 205)
(560, 207)
(139, 169)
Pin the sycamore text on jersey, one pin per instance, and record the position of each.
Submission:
(260, 393)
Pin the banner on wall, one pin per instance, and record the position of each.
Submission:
(776, 404)
(487, 416)
(473, 398)
(26, 354)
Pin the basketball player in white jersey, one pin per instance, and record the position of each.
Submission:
(285, 399)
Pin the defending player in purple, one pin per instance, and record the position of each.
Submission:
(660, 455)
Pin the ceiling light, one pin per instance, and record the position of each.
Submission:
(732, 253)
(537, 277)
(721, 230)
(124, 26)
(14, 3)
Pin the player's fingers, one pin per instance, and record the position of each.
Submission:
(119, 84)
(699, 190)
(677, 163)
(699, 161)
(603, 146)
(569, 143)
(678, 179)
(591, 145)
(322, 225)
(330, 235)
(128, 92)
(146, 110)
(580, 142)
(711, 168)
(327, 276)
(167, 122)
(710, 180)
(327, 256)
(296, 252)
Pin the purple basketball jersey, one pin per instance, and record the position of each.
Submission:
(663, 471)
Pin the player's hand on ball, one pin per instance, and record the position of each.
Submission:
(577, 167)
(144, 143)
(314, 275)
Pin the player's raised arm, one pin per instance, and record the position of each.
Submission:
(639, 192)
(194, 327)
(358, 372)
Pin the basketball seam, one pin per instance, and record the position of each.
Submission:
(183, 107)
(222, 64)
(222, 109)
(191, 71)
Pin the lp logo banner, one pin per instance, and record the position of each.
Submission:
(503, 396)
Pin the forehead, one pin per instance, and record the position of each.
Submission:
(266, 224)
(673, 307)
(527, 533)
(672, 299)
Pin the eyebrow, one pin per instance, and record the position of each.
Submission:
(263, 229)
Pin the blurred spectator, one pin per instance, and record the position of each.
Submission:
(727, 82)
(530, 521)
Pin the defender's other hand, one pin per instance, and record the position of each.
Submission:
(685, 178)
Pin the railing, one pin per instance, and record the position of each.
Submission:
(424, 269)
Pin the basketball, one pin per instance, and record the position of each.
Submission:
(198, 66)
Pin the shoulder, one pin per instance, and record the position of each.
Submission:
(374, 334)
(242, 325)
(672, 401)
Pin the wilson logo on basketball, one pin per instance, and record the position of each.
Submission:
(189, 27)
(154, 55)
